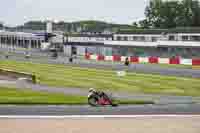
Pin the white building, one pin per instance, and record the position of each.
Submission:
(143, 43)
(20, 40)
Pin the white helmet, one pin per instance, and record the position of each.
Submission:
(92, 90)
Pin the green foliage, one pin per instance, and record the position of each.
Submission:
(170, 14)
(1, 25)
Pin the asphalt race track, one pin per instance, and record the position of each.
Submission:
(181, 109)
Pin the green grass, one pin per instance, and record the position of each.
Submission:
(15, 96)
(29, 97)
(67, 76)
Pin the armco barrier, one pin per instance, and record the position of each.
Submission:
(14, 74)
(134, 59)
(174, 61)
(153, 60)
(116, 58)
(196, 62)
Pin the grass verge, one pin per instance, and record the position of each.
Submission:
(67, 76)
(19, 96)
(29, 97)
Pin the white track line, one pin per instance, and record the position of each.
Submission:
(94, 116)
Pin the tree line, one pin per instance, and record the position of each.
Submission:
(171, 14)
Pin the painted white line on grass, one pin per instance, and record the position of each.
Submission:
(93, 116)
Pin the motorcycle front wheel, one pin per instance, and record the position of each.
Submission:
(92, 101)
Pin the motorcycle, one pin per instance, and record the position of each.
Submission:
(101, 100)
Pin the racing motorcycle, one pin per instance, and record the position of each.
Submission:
(101, 99)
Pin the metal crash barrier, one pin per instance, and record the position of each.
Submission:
(18, 75)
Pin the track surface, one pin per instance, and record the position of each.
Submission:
(185, 109)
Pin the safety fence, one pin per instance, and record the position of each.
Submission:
(151, 60)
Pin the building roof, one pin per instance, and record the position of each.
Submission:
(19, 34)
(89, 35)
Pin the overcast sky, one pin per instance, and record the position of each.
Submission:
(15, 12)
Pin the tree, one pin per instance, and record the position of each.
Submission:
(144, 24)
(162, 14)
(135, 24)
(153, 13)
(195, 7)
(1, 25)
(170, 14)
(185, 17)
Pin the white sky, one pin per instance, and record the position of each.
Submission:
(15, 12)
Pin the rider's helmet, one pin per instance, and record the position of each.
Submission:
(92, 90)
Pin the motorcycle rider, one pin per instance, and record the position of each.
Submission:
(97, 93)
(126, 62)
(100, 94)
(93, 91)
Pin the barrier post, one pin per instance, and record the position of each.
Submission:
(34, 79)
